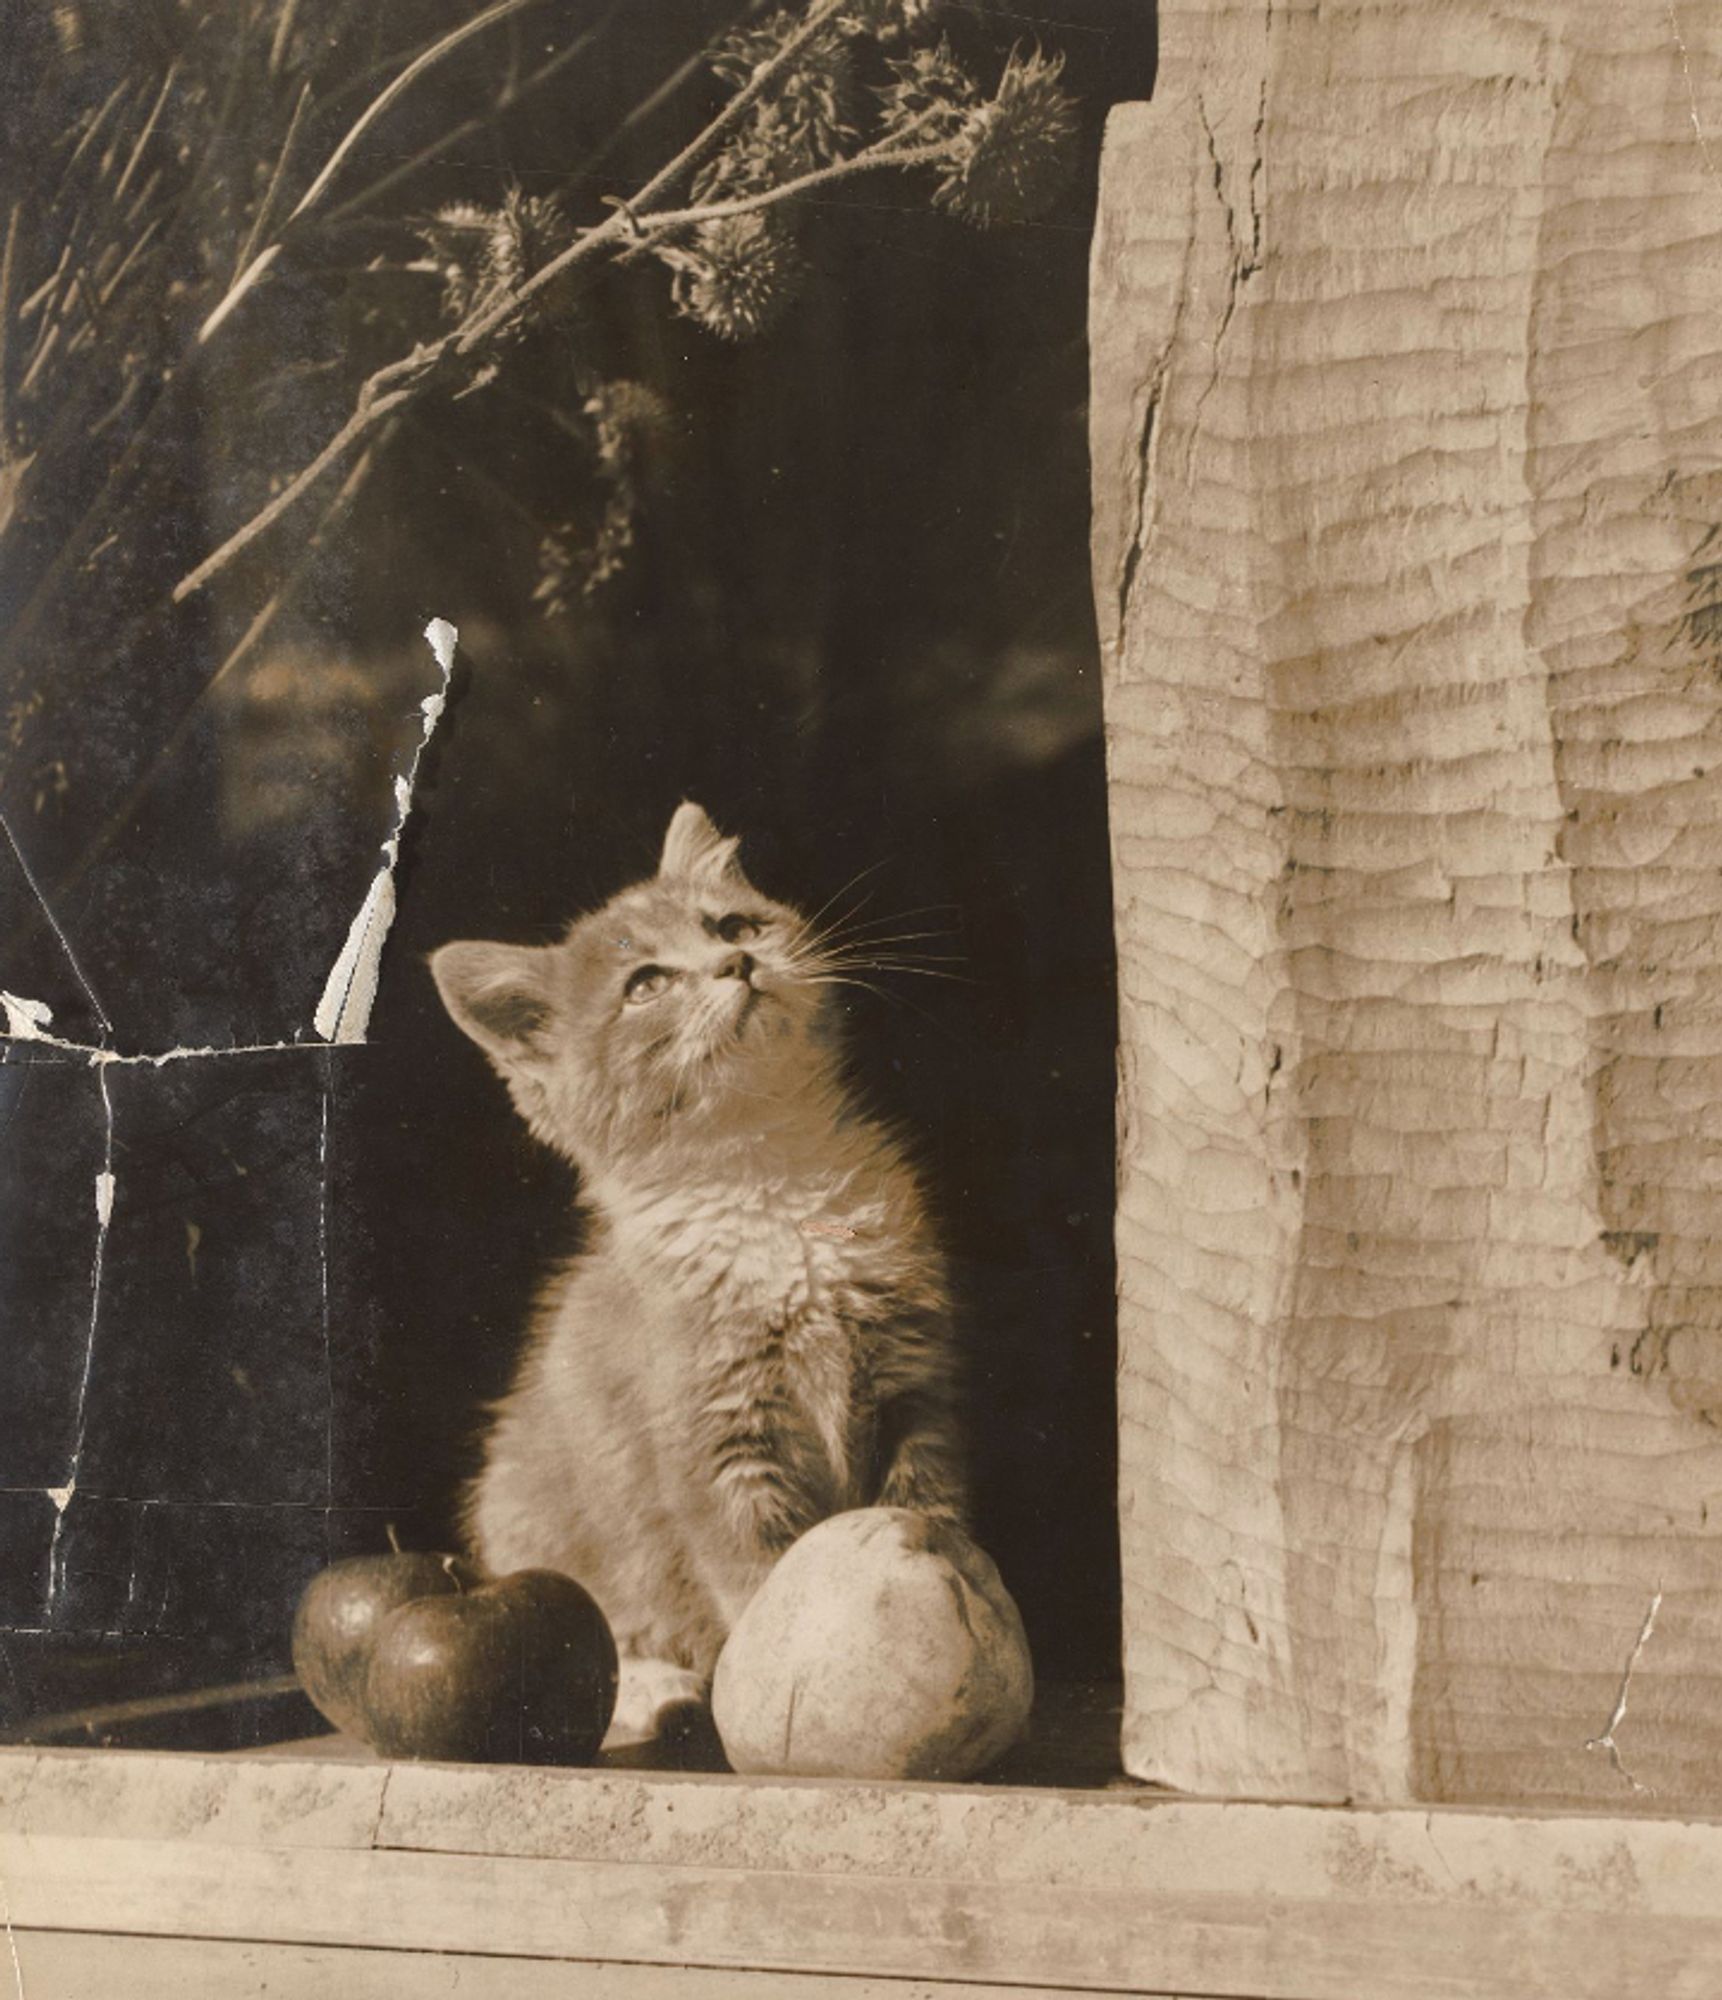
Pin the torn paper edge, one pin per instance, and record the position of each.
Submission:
(27, 1021)
(344, 1012)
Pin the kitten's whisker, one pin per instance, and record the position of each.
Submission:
(837, 927)
(874, 943)
(890, 941)
(917, 910)
(850, 923)
(872, 959)
(906, 965)
(874, 926)
(891, 999)
(806, 924)
(897, 948)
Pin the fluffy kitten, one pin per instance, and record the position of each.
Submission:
(756, 1334)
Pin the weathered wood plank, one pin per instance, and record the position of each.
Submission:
(1090, 1892)
(1208, 1944)
(68, 1965)
(1407, 412)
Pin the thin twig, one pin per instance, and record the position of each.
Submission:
(372, 408)
(6, 260)
(149, 126)
(891, 155)
(444, 46)
(130, 258)
(457, 134)
(436, 53)
(95, 125)
(706, 142)
(333, 165)
(652, 103)
(627, 215)
(266, 207)
(378, 398)
(283, 28)
(88, 530)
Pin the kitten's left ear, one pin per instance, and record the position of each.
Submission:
(694, 850)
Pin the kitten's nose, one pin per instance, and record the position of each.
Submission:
(739, 965)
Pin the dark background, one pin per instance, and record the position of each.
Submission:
(855, 626)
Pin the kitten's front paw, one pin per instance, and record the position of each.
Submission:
(655, 1698)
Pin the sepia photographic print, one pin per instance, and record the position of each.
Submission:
(861, 943)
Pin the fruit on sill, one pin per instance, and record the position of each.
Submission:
(883, 1645)
(340, 1613)
(419, 1655)
(521, 1670)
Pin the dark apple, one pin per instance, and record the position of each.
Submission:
(343, 1609)
(521, 1670)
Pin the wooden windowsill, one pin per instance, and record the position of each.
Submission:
(297, 1857)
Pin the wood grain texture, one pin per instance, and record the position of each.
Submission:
(69, 1965)
(1408, 557)
(1108, 1892)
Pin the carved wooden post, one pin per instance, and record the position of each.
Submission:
(1408, 469)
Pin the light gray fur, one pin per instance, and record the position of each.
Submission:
(757, 1333)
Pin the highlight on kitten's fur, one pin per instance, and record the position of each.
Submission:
(757, 1332)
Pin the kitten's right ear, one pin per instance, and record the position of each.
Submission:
(499, 994)
(694, 850)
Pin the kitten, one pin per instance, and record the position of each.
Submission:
(756, 1334)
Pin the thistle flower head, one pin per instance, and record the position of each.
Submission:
(1014, 155)
(484, 252)
(931, 91)
(806, 120)
(525, 233)
(455, 237)
(576, 561)
(625, 417)
(577, 557)
(735, 275)
(887, 20)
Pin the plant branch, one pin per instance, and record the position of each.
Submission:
(143, 138)
(6, 265)
(506, 310)
(438, 51)
(283, 29)
(379, 397)
(876, 157)
(397, 88)
(705, 143)
(376, 403)
(652, 102)
(511, 94)
(266, 207)
(85, 535)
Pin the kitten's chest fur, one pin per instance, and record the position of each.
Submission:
(765, 1249)
(779, 1288)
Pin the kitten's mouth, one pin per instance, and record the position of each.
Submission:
(749, 1007)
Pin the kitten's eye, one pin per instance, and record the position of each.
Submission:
(738, 929)
(645, 983)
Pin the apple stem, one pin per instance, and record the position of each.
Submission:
(451, 1569)
(394, 1539)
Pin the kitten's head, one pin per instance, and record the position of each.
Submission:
(688, 1000)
